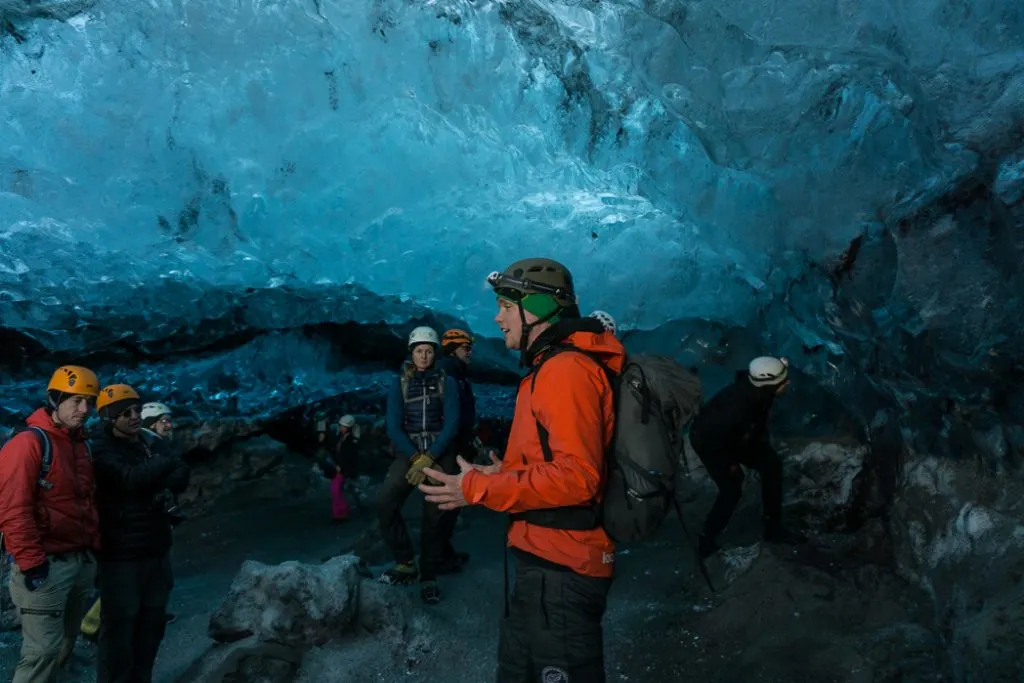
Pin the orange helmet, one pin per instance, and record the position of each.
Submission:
(456, 337)
(74, 379)
(116, 394)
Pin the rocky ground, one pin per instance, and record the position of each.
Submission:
(833, 611)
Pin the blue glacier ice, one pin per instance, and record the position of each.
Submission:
(796, 175)
(242, 207)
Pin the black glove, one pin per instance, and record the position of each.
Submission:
(36, 576)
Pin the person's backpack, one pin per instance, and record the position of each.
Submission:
(655, 398)
(45, 463)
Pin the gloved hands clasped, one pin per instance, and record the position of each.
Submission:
(417, 464)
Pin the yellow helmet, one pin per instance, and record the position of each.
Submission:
(115, 398)
(74, 379)
(455, 338)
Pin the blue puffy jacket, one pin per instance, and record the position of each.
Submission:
(420, 412)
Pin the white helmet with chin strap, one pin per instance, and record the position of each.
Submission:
(605, 319)
(768, 371)
(154, 410)
(424, 335)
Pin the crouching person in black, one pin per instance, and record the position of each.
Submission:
(135, 531)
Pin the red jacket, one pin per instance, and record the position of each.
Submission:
(36, 521)
(573, 400)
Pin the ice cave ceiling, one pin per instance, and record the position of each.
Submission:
(243, 206)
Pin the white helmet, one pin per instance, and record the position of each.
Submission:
(768, 371)
(347, 421)
(424, 335)
(606, 319)
(154, 410)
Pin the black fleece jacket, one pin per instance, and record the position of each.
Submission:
(131, 478)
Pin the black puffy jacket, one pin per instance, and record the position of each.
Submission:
(734, 420)
(131, 480)
(467, 399)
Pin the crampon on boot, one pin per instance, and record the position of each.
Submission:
(430, 593)
(400, 575)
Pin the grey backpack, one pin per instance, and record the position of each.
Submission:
(655, 399)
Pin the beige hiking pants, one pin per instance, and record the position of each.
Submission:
(51, 616)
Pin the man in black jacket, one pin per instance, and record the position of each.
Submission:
(457, 354)
(135, 531)
(732, 430)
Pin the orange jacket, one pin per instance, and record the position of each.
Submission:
(37, 522)
(573, 400)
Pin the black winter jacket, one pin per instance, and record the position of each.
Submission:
(734, 421)
(131, 478)
(467, 399)
(341, 456)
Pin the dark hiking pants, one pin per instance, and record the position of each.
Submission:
(464, 447)
(133, 617)
(434, 534)
(726, 473)
(553, 633)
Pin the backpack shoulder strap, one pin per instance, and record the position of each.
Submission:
(545, 437)
(403, 382)
(575, 517)
(46, 459)
(441, 377)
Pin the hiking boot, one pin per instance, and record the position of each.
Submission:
(400, 575)
(430, 593)
(776, 533)
(706, 546)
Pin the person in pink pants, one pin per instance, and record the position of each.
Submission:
(343, 458)
(339, 501)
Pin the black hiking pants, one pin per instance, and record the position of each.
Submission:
(552, 633)
(434, 532)
(725, 471)
(133, 617)
(464, 447)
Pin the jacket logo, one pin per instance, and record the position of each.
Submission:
(553, 674)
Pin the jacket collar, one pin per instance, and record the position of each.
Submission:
(559, 332)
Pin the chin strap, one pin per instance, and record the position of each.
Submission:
(524, 338)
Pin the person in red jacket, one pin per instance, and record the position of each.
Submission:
(50, 523)
(552, 629)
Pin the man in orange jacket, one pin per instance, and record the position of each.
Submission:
(552, 628)
(50, 523)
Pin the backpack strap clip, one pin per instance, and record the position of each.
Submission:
(46, 459)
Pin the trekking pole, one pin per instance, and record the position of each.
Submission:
(693, 546)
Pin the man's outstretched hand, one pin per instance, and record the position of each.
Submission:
(448, 493)
(493, 468)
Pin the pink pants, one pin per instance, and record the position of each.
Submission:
(339, 503)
